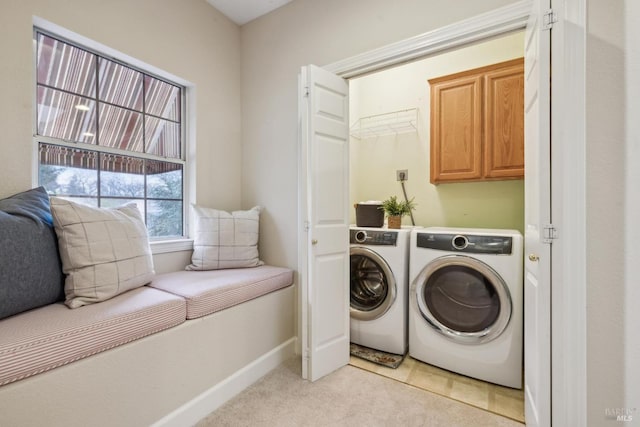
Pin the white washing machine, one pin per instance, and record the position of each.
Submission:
(466, 303)
(379, 288)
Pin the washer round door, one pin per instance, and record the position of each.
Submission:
(463, 298)
(373, 286)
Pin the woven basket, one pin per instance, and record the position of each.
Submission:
(394, 222)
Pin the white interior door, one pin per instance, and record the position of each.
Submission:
(324, 221)
(537, 281)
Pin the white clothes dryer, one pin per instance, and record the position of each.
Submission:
(379, 288)
(466, 303)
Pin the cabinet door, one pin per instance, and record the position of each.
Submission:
(504, 121)
(456, 129)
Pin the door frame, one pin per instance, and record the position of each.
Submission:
(568, 184)
(568, 211)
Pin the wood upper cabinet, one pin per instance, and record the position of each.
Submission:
(477, 124)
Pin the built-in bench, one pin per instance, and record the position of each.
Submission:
(221, 330)
(129, 347)
(54, 335)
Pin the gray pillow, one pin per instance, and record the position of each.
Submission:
(30, 269)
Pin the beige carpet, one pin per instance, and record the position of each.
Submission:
(348, 397)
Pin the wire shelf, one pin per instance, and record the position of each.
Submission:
(394, 123)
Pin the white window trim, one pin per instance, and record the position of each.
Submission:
(166, 246)
(188, 196)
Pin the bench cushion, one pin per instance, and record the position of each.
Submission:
(45, 338)
(209, 291)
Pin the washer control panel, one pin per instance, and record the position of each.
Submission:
(470, 243)
(373, 237)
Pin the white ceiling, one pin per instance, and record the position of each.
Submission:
(243, 11)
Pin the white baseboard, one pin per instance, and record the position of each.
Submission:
(195, 410)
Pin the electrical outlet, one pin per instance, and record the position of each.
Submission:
(402, 175)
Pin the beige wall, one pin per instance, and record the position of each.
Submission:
(632, 201)
(274, 47)
(612, 81)
(188, 39)
(374, 161)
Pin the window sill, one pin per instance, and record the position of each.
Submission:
(166, 246)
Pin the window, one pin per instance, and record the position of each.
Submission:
(109, 133)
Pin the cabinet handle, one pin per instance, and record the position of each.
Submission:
(534, 258)
(314, 241)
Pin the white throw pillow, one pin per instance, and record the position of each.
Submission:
(104, 252)
(225, 240)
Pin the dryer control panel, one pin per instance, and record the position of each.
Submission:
(373, 237)
(470, 243)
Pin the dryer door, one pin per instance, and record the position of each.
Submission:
(373, 286)
(463, 298)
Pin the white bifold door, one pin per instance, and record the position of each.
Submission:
(537, 262)
(324, 221)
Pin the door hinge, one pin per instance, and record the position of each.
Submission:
(549, 233)
(306, 91)
(548, 19)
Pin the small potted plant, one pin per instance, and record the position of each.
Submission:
(395, 210)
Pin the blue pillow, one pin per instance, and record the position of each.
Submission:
(30, 269)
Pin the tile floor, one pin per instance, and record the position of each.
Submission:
(490, 397)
